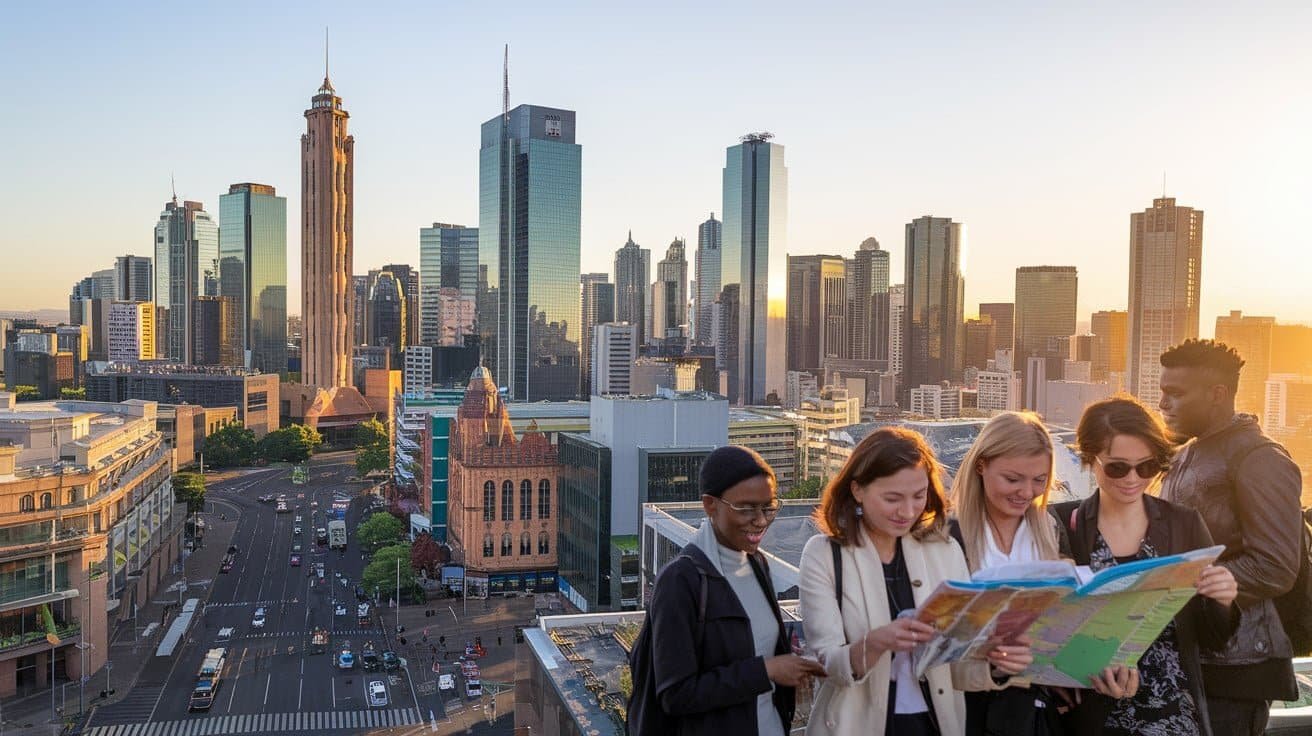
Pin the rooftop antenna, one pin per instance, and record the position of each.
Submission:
(1163, 183)
(173, 184)
(325, 52)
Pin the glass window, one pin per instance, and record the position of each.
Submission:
(489, 501)
(544, 499)
(487, 545)
(505, 544)
(525, 544)
(525, 499)
(26, 503)
(544, 544)
(47, 501)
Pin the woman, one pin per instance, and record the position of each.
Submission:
(1127, 449)
(1000, 496)
(721, 660)
(884, 521)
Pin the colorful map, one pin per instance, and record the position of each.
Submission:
(1075, 631)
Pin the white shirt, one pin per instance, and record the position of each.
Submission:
(1023, 546)
(765, 628)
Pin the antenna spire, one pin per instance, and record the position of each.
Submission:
(1163, 183)
(505, 83)
(173, 184)
(325, 52)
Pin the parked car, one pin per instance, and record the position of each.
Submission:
(321, 536)
(225, 633)
(257, 621)
(446, 682)
(377, 694)
(268, 498)
(473, 689)
(339, 609)
(390, 660)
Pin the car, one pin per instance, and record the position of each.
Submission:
(226, 564)
(473, 689)
(321, 536)
(225, 633)
(295, 560)
(346, 660)
(377, 694)
(446, 682)
(296, 530)
(257, 621)
(297, 520)
(266, 498)
(390, 660)
(232, 549)
(339, 609)
(296, 546)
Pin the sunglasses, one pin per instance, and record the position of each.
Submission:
(1117, 469)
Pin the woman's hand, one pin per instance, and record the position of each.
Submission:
(1117, 682)
(1011, 660)
(791, 670)
(902, 635)
(1218, 583)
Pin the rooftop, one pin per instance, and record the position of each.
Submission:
(102, 368)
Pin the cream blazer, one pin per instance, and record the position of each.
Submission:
(844, 705)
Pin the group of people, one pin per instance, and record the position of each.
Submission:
(891, 532)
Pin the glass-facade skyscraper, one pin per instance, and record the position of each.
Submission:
(754, 257)
(253, 271)
(530, 203)
(708, 280)
(186, 266)
(448, 259)
(933, 315)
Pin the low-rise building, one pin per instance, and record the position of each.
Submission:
(255, 395)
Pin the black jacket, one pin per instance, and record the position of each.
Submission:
(710, 686)
(1172, 529)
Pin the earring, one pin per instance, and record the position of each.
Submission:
(859, 511)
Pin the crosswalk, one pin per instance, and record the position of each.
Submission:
(205, 725)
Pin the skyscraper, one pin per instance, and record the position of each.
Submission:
(868, 325)
(132, 279)
(1166, 264)
(1109, 339)
(448, 259)
(817, 312)
(632, 279)
(530, 195)
(979, 340)
(387, 314)
(615, 346)
(1003, 315)
(360, 286)
(670, 293)
(755, 191)
(897, 309)
(131, 331)
(327, 246)
(598, 308)
(935, 290)
(253, 270)
(186, 266)
(215, 331)
(1045, 318)
(1251, 337)
(708, 280)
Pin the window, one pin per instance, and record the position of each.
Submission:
(505, 544)
(487, 545)
(27, 503)
(47, 501)
(507, 501)
(544, 499)
(525, 544)
(525, 500)
(544, 544)
(489, 501)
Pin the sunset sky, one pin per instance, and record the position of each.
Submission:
(1040, 128)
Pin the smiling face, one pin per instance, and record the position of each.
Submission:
(893, 504)
(735, 529)
(1012, 483)
(1124, 448)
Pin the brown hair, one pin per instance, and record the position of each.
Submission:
(882, 453)
(1104, 420)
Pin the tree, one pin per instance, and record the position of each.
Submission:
(379, 529)
(372, 447)
(231, 445)
(23, 392)
(806, 488)
(381, 572)
(189, 488)
(425, 555)
(73, 394)
(291, 444)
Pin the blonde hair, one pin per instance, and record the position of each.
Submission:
(1010, 434)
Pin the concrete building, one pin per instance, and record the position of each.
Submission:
(216, 332)
(186, 267)
(897, 304)
(1045, 312)
(1110, 337)
(1003, 315)
(817, 312)
(1065, 401)
(1166, 260)
(831, 409)
(131, 331)
(632, 280)
(387, 317)
(133, 279)
(651, 374)
(35, 360)
(997, 391)
(867, 293)
(1034, 382)
(936, 401)
(1251, 337)
(979, 336)
(776, 436)
(417, 376)
(457, 316)
(255, 395)
(707, 274)
(253, 271)
(448, 259)
(935, 302)
(868, 380)
(669, 314)
(797, 386)
(598, 308)
(614, 348)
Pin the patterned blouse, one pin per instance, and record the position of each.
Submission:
(1163, 705)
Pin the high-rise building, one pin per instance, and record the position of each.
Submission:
(817, 312)
(598, 307)
(186, 266)
(131, 331)
(828, 409)
(935, 302)
(669, 317)
(997, 391)
(457, 314)
(1003, 315)
(1109, 340)
(215, 331)
(387, 314)
(979, 338)
(106, 285)
(448, 259)
(360, 286)
(132, 279)
(727, 344)
(1166, 259)
(755, 248)
(408, 279)
(1045, 315)
(530, 173)
(614, 348)
(708, 280)
(897, 309)
(327, 244)
(1251, 337)
(253, 270)
(868, 274)
(936, 401)
(632, 279)
(417, 375)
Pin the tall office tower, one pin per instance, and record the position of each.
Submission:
(755, 257)
(598, 308)
(417, 374)
(131, 331)
(1166, 263)
(670, 293)
(387, 314)
(215, 331)
(615, 346)
(708, 280)
(632, 279)
(979, 340)
(448, 259)
(1045, 316)
(1003, 315)
(408, 279)
(186, 266)
(867, 275)
(360, 286)
(727, 340)
(327, 245)
(935, 303)
(132, 278)
(1109, 339)
(1251, 337)
(897, 309)
(106, 286)
(817, 312)
(253, 270)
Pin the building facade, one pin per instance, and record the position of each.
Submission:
(255, 395)
(448, 259)
(417, 377)
(1166, 263)
(598, 307)
(867, 278)
(131, 331)
(1003, 315)
(216, 331)
(387, 314)
(614, 349)
(186, 266)
(133, 280)
(1045, 314)
(632, 280)
(831, 409)
(935, 302)
(669, 315)
(1110, 335)
(817, 312)
(1251, 337)
(707, 274)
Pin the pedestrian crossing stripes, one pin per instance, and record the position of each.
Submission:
(204, 725)
(230, 604)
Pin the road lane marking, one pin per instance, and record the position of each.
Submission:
(267, 682)
(300, 687)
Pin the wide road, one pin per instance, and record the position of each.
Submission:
(273, 682)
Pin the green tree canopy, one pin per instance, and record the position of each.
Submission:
(806, 488)
(291, 444)
(72, 394)
(231, 445)
(381, 571)
(189, 488)
(23, 392)
(372, 447)
(378, 529)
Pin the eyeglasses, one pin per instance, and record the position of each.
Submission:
(747, 513)
(1116, 469)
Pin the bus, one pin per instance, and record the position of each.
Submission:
(336, 534)
(208, 679)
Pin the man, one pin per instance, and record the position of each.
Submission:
(1248, 491)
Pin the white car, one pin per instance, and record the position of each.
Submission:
(258, 620)
(339, 609)
(473, 689)
(446, 682)
(296, 530)
(225, 633)
(377, 694)
(297, 520)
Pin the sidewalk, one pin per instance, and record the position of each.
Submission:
(30, 716)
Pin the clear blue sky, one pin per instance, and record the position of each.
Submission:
(1040, 128)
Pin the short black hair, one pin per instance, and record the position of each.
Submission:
(1217, 358)
(730, 465)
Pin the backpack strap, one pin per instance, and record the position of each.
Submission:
(838, 572)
